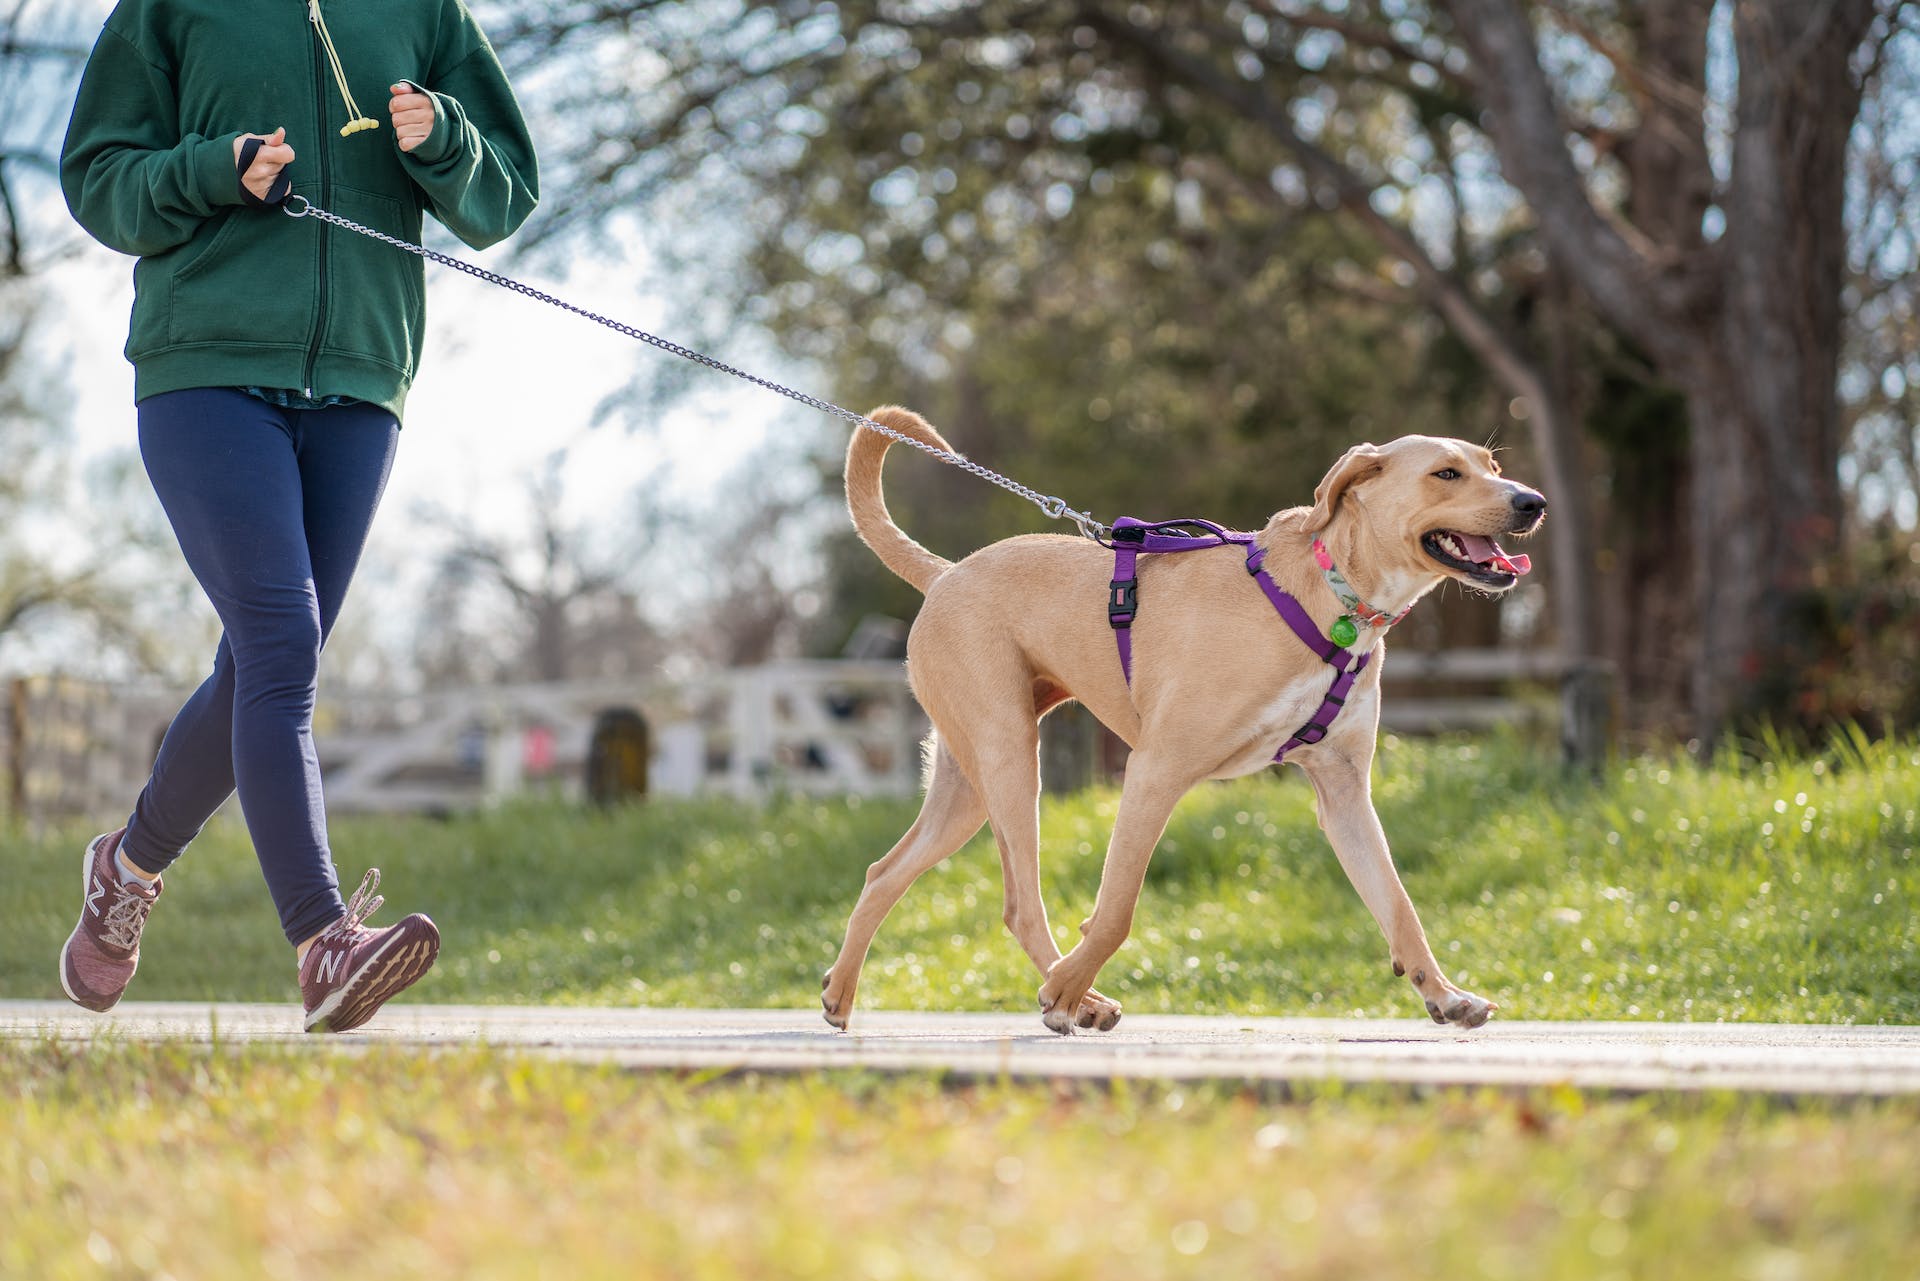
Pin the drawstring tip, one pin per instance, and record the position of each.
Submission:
(358, 126)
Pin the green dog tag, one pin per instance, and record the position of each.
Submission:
(1344, 633)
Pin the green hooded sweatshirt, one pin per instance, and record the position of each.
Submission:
(227, 295)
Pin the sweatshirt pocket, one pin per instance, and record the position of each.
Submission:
(375, 291)
(244, 284)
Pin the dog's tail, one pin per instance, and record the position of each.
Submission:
(865, 453)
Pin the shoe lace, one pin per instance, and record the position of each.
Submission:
(363, 904)
(126, 917)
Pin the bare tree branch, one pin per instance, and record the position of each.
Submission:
(1365, 34)
(1529, 133)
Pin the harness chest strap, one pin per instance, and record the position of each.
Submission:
(1347, 669)
(1132, 538)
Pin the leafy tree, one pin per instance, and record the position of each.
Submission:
(1517, 170)
(1073, 280)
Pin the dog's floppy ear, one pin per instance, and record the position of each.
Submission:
(1355, 465)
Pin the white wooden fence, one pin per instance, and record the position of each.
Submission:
(71, 747)
(829, 727)
(77, 747)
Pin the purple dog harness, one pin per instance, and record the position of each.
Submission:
(1133, 538)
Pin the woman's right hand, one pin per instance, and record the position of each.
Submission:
(273, 156)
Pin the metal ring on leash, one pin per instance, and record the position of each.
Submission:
(1055, 508)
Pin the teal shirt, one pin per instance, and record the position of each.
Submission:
(231, 296)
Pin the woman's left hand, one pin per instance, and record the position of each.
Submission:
(412, 113)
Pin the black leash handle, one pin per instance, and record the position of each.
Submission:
(282, 183)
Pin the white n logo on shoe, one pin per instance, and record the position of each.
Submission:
(98, 892)
(327, 968)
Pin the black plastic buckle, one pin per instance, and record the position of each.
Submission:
(1132, 534)
(1123, 601)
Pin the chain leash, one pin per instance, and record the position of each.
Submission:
(1056, 508)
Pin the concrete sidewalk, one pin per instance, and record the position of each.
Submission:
(1769, 1058)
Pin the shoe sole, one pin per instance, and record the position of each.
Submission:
(384, 975)
(86, 875)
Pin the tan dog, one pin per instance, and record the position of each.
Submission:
(1219, 683)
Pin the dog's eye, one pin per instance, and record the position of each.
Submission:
(1447, 473)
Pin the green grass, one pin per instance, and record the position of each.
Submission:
(1777, 889)
(143, 1161)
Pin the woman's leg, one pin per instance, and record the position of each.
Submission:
(271, 509)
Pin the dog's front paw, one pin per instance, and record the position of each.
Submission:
(836, 1001)
(1459, 1008)
(1057, 1010)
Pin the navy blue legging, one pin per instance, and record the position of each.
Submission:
(271, 507)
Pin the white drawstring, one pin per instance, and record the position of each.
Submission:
(359, 121)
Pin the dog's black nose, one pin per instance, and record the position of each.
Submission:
(1528, 505)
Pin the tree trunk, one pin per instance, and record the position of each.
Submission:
(1760, 379)
(1748, 328)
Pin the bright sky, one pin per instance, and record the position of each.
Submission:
(504, 382)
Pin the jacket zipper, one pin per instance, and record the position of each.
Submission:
(326, 201)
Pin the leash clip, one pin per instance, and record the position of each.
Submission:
(1089, 527)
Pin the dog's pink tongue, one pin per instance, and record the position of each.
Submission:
(1485, 551)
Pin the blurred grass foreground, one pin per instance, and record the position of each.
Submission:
(1779, 888)
(250, 1162)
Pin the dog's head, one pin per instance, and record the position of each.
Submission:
(1433, 505)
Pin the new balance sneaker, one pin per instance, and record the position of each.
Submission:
(351, 971)
(101, 954)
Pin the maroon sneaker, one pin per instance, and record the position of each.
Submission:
(351, 971)
(103, 951)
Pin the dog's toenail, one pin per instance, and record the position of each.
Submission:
(1419, 977)
(1399, 970)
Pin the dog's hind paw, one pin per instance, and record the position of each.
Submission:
(1097, 1012)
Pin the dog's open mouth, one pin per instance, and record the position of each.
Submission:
(1476, 556)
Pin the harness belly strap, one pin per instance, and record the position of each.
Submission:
(1132, 538)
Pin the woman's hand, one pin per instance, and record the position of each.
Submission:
(412, 113)
(273, 156)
